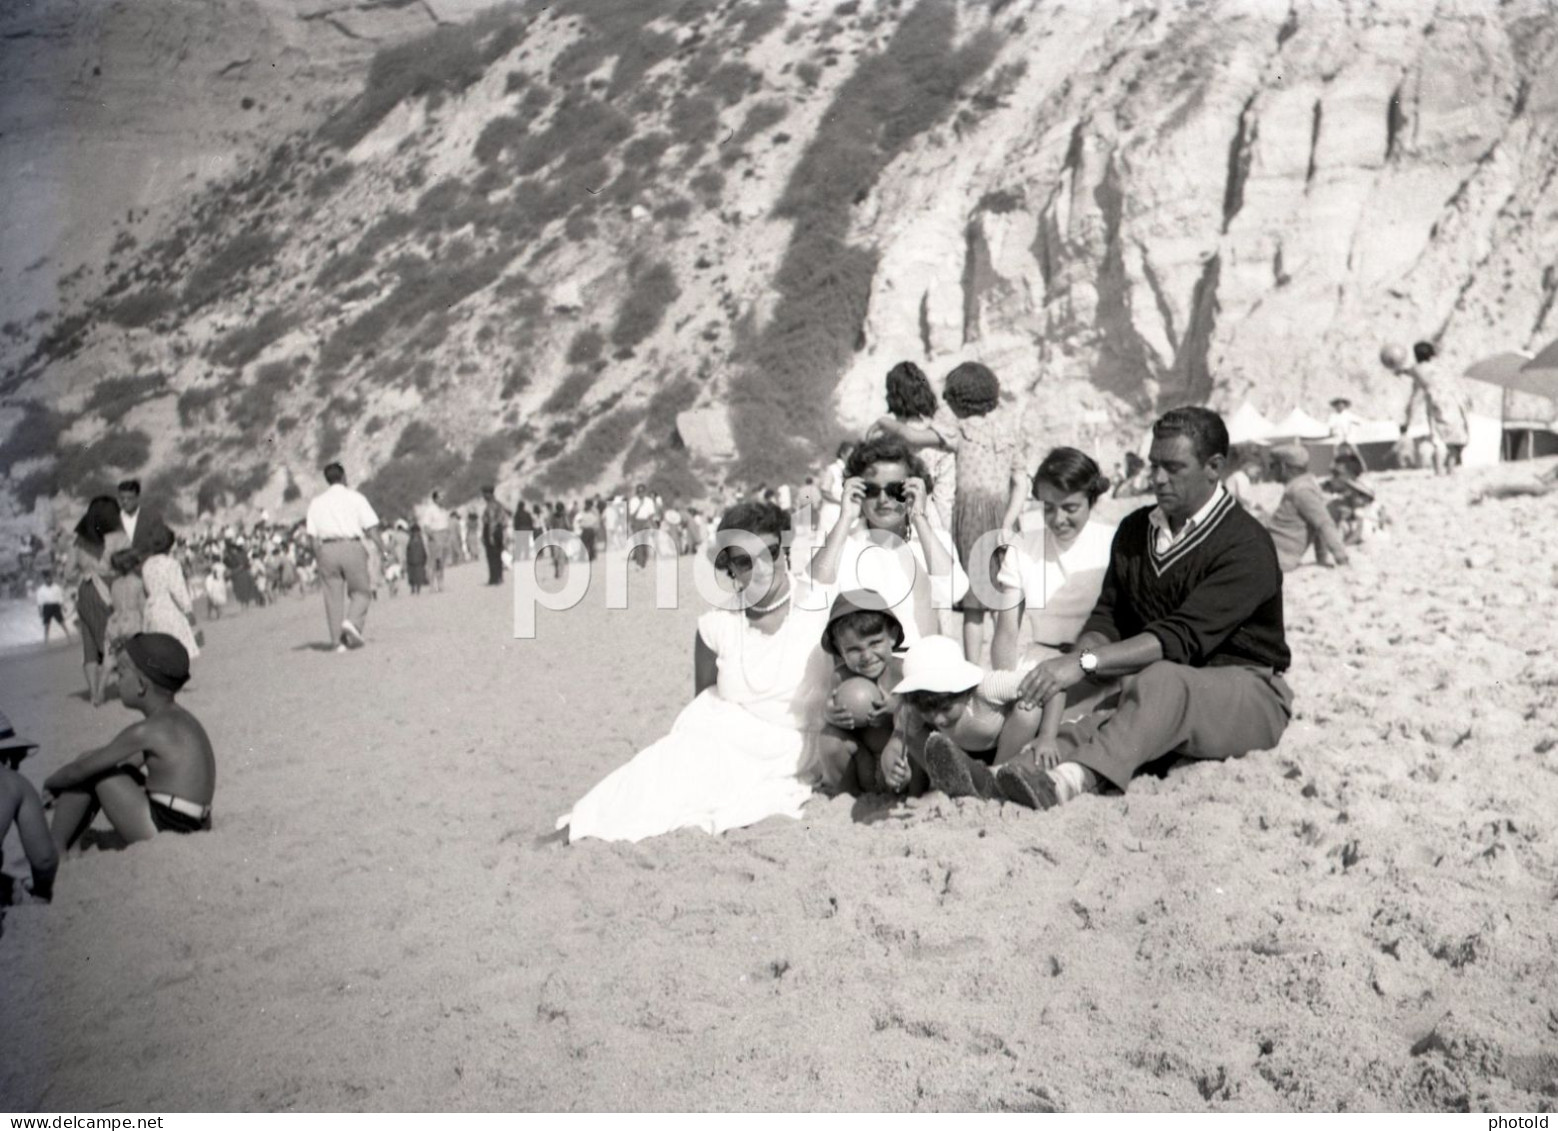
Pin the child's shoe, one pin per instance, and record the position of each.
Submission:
(955, 773)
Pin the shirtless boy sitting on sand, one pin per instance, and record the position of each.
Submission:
(157, 775)
(19, 804)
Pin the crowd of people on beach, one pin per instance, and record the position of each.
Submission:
(898, 622)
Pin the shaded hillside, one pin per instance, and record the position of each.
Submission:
(534, 239)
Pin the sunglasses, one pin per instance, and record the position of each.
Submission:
(731, 562)
(898, 489)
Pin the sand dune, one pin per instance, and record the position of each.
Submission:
(1361, 919)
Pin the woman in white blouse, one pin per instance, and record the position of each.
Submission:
(741, 750)
(1056, 571)
(883, 539)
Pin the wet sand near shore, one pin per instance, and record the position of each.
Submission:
(1364, 918)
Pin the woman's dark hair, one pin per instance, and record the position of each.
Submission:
(124, 561)
(909, 395)
(845, 447)
(1070, 471)
(971, 390)
(160, 540)
(887, 449)
(756, 517)
(1424, 351)
(101, 520)
(864, 622)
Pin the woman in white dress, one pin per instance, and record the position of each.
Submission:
(743, 749)
(1056, 571)
(169, 607)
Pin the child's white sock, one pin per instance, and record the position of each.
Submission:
(1072, 780)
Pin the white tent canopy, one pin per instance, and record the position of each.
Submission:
(1298, 425)
(1247, 425)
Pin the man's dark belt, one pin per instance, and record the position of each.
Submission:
(323, 540)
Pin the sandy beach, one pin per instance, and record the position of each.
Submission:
(1364, 918)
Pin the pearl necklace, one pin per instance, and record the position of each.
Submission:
(777, 604)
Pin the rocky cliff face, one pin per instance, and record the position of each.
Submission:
(112, 114)
(530, 243)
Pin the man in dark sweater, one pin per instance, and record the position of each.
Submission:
(1189, 621)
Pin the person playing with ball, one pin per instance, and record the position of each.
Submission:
(859, 713)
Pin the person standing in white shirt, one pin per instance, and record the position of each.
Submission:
(434, 521)
(338, 521)
(51, 604)
(643, 515)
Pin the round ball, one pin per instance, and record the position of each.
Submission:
(860, 697)
(1393, 357)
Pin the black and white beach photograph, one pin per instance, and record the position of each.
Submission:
(779, 555)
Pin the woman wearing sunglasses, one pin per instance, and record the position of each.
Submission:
(739, 752)
(884, 540)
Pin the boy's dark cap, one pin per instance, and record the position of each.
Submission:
(160, 658)
(857, 601)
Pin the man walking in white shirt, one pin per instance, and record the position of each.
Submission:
(338, 521)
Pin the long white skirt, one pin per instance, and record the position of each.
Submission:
(721, 767)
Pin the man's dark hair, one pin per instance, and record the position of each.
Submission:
(334, 473)
(130, 486)
(909, 395)
(757, 518)
(1208, 434)
(886, 449)
(1424, 351)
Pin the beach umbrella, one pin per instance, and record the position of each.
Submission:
(1544, 366)
(1519, 373)
(1497, 370)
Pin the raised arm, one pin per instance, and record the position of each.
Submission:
(915, 435)
(1008, 630)
(825, 565)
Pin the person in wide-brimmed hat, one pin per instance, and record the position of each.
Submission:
(20, 805)
(960, 721)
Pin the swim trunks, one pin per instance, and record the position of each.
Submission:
(175, 815)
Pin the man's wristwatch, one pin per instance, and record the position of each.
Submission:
(1087, 660)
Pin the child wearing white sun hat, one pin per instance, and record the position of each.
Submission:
(962, 720)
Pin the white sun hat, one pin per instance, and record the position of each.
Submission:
(936, 663)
